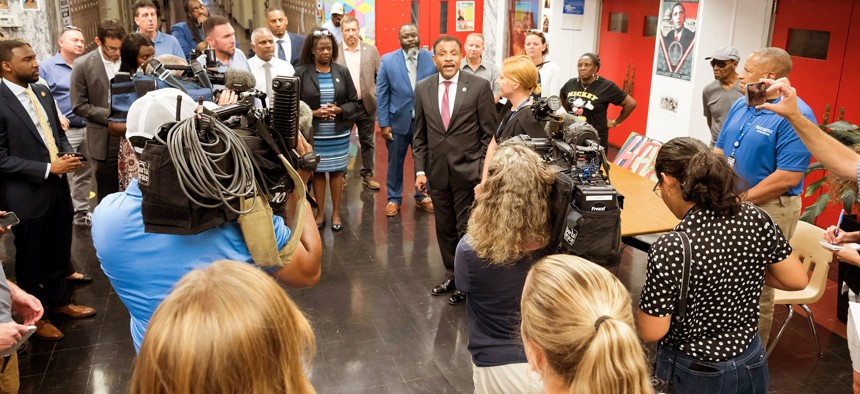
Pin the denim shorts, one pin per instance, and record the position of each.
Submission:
(746, 373)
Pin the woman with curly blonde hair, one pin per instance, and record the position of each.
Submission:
(508, 232)
(228, 328)
(577, 327)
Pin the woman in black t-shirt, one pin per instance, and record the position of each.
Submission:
(518, 80)
(735, 248)
(589, 96)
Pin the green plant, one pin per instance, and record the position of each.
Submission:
(835, 187)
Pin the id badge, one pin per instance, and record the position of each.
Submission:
(731, 161)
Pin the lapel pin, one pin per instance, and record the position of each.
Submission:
(464, 89)
(337, 80)
(43, 94)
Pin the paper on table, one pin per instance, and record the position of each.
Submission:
(837, 247)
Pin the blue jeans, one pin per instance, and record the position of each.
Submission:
(746, 373)
(397, 150)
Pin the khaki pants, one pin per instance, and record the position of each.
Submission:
(509, 378)
(9, 382)
(785, 212)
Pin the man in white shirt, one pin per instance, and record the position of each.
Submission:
(288, 46)
(264, 65)
(362, 60)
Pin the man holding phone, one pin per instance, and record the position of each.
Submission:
(765, 151)
(33, 183)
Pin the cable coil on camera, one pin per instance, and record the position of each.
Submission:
(218, 168)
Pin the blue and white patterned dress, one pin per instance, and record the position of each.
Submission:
(332, 145)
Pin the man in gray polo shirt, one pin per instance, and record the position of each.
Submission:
(719, 95)
(475, 64)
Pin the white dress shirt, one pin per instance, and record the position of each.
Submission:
(21, 94)
(452, 92)
(111, 68)
(279, 68)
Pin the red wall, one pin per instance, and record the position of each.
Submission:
(391, 14)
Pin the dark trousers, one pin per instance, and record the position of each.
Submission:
(107, 176)
(397, 150)
(365, 123)
(451, 209)
(43, 247)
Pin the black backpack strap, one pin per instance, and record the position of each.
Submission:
(685, 275)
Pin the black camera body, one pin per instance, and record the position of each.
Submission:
(586, 208)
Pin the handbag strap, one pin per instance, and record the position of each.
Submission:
(685, 275)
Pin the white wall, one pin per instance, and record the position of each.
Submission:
(743, 24)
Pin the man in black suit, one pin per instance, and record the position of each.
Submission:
(679, 38)
(455, 117)
(88, 91)
(33, 183)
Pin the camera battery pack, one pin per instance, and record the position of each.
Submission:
(595, 197)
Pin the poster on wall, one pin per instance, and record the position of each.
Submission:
(572, 14)
(31, 5)
(465, 16)
(523, 18)
(362, 10)
(678, 31)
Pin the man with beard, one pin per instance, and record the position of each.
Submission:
(399, 71)
(719, 95)
(333, 24)
(221, 37)
(288, 45)
(454, 121)
(34, 186)
(362, 60)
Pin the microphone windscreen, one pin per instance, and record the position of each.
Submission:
(239, 81)
(306, 116)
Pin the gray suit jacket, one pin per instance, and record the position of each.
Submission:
(460, 149)
(89, 94)
(367, 79)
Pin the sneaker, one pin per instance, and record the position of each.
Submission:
(426, 205)
(369, 182)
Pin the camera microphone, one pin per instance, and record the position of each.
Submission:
(156, 69)
(239, 81)
(201, 74)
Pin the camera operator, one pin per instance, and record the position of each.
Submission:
(143, 267)
(517, 82)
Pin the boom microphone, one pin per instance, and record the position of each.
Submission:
(239, 81)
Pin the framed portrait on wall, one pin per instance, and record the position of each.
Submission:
(522, 16)
(465, 16)
(677, 39)
(31, 5)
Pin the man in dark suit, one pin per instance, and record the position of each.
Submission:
(33, 183)
(288, 46)
(679, 38)
(395, 87)
(455, 117)
(362, 60)
(90, 86)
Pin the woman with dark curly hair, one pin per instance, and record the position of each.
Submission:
(493, 259)
(733, 248)
(328, 89)
(135, 50)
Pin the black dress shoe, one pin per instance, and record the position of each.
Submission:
(445, 287)
(457, 297)
(83, 279)
(336, 227)
(320, 225)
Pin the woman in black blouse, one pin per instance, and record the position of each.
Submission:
(736, 248)
(518, 80)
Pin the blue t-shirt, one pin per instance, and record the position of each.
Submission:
(165, 44)
(493, 304)
(144, 267)
(767, 143)
(58, 74)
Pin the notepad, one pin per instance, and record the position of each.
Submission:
(13, 349)
(838, 247)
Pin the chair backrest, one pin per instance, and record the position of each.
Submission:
(815, 259)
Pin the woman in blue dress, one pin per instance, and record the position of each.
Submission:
(329, 90)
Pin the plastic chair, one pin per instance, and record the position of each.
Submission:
(816, 259)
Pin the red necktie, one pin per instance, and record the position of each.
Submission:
(446, 110)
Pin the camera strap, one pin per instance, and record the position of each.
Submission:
(682, 300)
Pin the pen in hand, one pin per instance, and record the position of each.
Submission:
(839, 223)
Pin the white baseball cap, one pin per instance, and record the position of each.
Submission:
(148, 113)
(337, 8)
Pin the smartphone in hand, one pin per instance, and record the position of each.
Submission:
(756, 94)
(75, 154)
(9, 219)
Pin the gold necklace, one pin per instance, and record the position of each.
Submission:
(585, 88)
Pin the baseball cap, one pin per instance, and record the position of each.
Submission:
(725, 53)
(148, 113)
(337, 8)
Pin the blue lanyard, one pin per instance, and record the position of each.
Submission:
(744, 130)
(505, 123)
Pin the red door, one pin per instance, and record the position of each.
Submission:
(823, 52)
(627, 54)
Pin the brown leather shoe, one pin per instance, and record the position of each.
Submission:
(47, 331)
(369, 182)
(74, 311)
(426, 205)
(392, 209)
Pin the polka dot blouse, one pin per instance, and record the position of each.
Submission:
(729, 258)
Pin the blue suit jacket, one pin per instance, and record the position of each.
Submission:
(394, 94)
(185, 38)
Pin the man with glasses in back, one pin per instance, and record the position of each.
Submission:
(719, 95)
(89, 96)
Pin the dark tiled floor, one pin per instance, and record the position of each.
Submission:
(377, 327)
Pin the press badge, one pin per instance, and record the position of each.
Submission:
(731, 161)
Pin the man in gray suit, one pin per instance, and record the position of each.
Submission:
(89, 93)
(362, 60)
(455, 117)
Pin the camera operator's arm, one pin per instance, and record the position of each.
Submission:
(304, 268)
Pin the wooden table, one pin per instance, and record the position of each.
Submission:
(644, 212)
